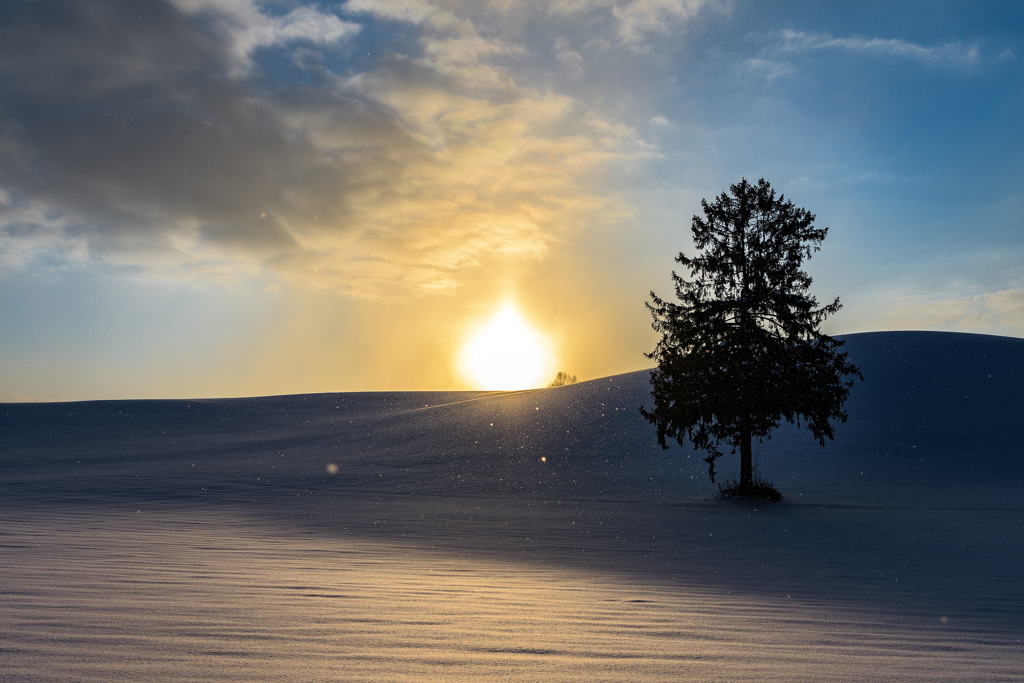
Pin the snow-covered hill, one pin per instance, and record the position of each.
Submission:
(939, 414)
(914, 512)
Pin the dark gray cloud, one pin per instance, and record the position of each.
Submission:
(124, 118)
(203, 131)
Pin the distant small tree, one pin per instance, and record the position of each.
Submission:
(742, 350)
(563, 378)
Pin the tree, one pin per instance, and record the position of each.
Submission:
(562, 379)
(742, 349)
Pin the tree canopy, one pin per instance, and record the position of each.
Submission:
(562, 379)
(741, 350)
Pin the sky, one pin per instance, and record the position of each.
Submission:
(204, 198)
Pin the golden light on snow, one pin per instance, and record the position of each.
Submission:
(506, 354)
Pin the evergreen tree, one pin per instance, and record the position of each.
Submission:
(742, 350)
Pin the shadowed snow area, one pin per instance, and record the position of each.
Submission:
(539, 535)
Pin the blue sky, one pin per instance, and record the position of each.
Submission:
(212, 198)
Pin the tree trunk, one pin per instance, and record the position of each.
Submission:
(746, 461)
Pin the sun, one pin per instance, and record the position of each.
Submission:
(506, 354)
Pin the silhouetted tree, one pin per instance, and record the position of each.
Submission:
(742, 349)
(563, 378)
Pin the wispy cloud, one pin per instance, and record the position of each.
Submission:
(28, 236)
(641, 18)
(999, 312)
(571, 61)
(247, 29)
(637, 20)
(767, 68)
(451, 45)
(957, 53)
(411, 11)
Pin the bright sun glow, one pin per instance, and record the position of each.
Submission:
(506, 354)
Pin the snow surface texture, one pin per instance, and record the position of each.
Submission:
(421, 536)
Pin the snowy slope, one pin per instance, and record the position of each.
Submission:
(937, 411)
(912, 514)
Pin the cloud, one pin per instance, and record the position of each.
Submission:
(246, 29)
(28, 236)
(451, 46)
(640, 18)
(410, 11)
(999, 312)
(571, 61)
(637, 20)
(139, 140)
(950, 53)
(767, 68)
